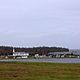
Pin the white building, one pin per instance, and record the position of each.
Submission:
(36, 55)
(39, 56)
(20, 54)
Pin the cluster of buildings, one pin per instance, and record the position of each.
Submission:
(24, 55)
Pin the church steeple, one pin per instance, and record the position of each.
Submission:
(13, 50)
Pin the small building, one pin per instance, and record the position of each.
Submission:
(36, 56)
(40, 56)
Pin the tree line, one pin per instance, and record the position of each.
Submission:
(6, 50)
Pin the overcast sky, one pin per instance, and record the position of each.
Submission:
(29, 23)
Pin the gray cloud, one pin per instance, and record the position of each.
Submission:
(40, 22)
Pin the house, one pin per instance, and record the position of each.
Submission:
(40, 56)
(36, 56)
(20, 54)
(58, 54)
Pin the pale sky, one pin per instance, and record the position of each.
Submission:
(29, 23)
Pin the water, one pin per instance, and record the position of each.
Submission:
(53, 60)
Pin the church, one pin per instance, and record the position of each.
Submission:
(20, 55)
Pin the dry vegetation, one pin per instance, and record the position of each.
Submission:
(39, 71)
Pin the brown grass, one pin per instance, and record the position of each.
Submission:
(39, 71)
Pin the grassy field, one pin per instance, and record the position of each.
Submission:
(39, 71)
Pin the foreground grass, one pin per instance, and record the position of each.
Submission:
(39, 71)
